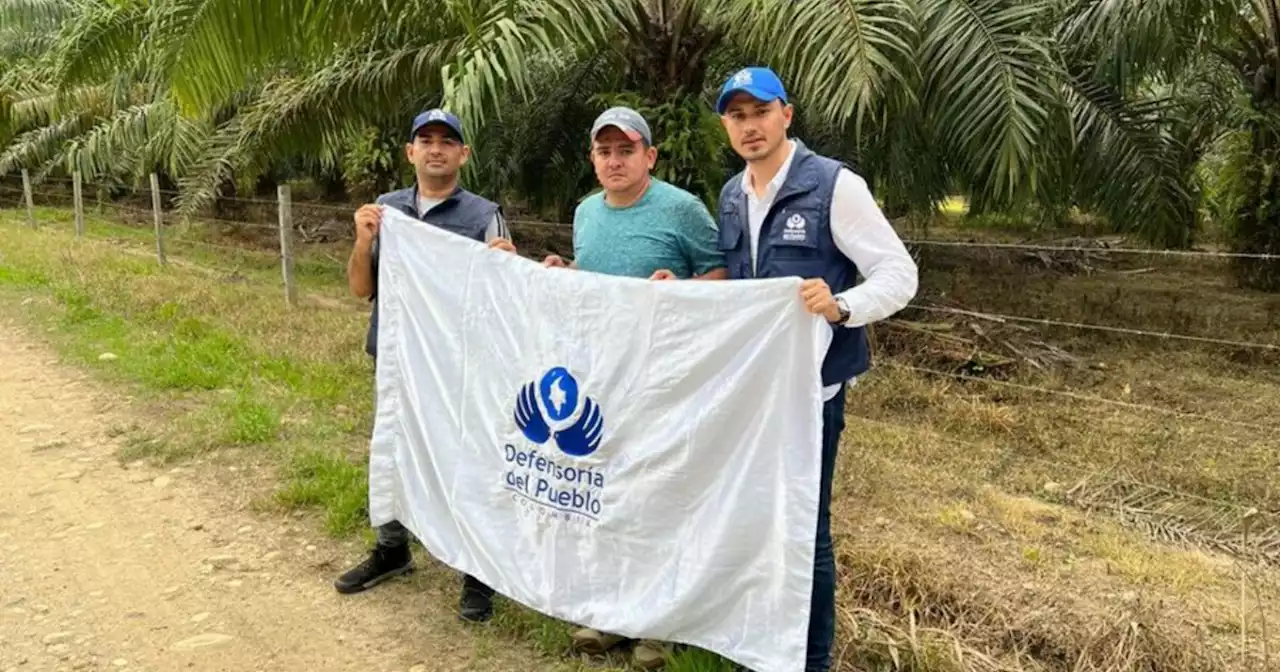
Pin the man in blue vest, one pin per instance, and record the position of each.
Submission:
(795, 213)
(437, 152)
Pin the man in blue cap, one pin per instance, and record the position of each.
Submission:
(794, 213)
(437, 152)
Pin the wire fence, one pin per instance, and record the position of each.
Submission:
(284, 207)
(284, 231)
(996, 317)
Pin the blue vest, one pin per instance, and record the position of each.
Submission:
(463, 213)
(795, 240)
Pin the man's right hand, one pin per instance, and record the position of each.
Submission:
(368, 218)
(554, 261)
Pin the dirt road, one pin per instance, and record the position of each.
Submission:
(107, 567)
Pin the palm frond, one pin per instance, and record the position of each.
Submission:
(124, 143)
(840, 57)
(1127, 40)
(45, 106)
(229, 42)
(1126, 164)
(34, 15)
(21, 45)
(499, 42)
(291, 112)
(41, 146)
(101, 38)
(989, 84)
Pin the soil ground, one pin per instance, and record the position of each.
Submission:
(126, 567)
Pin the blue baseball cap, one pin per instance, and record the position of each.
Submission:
(436, 116)
(760, 83)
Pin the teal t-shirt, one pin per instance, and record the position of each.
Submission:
(668, 228)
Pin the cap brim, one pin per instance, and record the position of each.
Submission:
(435, 122)
(631, 133)
(762, 96)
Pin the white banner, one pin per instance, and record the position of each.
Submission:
(638, 457)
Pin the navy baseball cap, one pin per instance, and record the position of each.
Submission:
(436, 116)
(760, 83)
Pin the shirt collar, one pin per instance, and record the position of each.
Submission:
(776, 183)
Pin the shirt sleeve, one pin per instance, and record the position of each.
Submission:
(700, 239)
(866, 237)
(373, 268)
(576, 233)
(497, 228)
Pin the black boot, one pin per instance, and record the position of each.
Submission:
(384, 562)
(476, 605)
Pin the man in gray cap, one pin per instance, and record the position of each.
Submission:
(638, 225)
(642, 227)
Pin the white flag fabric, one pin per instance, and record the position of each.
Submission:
(637, 457)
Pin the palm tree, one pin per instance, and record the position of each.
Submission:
(1253, 55)
(1053, 103)
(93, 96)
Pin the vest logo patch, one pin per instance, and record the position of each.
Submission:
(795, 229)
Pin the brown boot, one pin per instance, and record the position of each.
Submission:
(594, 642)
(649, 654)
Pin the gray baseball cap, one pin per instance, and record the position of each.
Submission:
(626, 120)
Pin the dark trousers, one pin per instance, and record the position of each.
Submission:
(822, 607)
(393, 534)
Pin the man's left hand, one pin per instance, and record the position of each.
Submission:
(818, 299)
(502, 244)
(662, 274)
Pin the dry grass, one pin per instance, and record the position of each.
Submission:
(979, 527)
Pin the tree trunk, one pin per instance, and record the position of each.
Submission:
(1258, 221)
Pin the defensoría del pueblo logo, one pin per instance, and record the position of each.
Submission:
(554, 409)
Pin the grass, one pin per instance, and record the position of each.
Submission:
(978, 527)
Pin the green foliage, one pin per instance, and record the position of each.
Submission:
(698, 660)
(1256, 227)
(372, 163)
(251, 421)
(337, 484)
(1104, 106)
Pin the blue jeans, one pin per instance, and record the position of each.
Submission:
(822, 606)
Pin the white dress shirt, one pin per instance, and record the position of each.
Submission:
(860, 231)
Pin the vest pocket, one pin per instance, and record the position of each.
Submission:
(796, 257)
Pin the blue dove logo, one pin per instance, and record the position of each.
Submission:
(551, 407)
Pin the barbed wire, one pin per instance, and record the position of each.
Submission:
(1075, 248)
(349, 209)
(534, 222)
(170, 217)
(264, 254)
(1087, 397)
(996, 317)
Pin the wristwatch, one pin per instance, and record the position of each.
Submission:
(844, 310)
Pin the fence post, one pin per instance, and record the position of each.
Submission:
(77, 189)
(26, 193)
(159, 217)
(286, 243)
